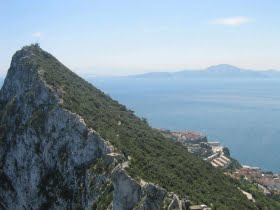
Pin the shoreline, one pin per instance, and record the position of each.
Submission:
(219, 157)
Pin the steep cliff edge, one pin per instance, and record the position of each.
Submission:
(56, 151)
(48, 154)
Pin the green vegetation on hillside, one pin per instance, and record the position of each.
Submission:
(154, 158)
(262, 202)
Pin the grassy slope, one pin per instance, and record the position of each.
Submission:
(154, 158)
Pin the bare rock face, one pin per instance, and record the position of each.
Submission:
(47, 153)
(50, 158)
(152, 197)
(126, 190)
(129, 194)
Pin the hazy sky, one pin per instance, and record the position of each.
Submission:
(127, 37)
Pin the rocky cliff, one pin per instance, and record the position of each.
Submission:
(51, 159)
(48, 154)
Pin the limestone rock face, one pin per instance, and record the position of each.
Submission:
(126, 190)
(129, 194)
(50, 158)
(46, 152)
(153, 197)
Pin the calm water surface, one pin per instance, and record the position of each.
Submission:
(243, 114)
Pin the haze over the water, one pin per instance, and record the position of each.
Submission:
(132, 37)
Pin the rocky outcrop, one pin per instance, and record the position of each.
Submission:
(126, 190)
(152, 197)
(129, 194)
(50, 158)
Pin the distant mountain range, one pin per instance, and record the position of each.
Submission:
(217, 71)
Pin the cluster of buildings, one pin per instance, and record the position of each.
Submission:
(218, 159)
(198, 144)
(266, 181)
(189, 137)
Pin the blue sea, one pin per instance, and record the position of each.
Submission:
(243, 114)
